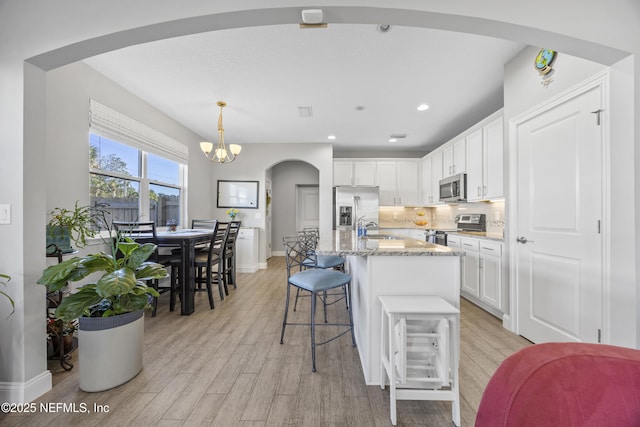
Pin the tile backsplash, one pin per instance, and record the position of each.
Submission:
(443, 217)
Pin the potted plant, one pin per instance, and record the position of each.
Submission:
(61, 333)
(110, 309)
(67, 225)
(233, 212)
(4, 279)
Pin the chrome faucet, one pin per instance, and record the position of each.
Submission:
(371, 224)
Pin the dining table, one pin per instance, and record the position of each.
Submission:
(186, 240)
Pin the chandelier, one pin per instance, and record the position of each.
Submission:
(221, 154)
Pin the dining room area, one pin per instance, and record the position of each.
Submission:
(226, 366)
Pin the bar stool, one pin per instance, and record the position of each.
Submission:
(317, 282)
(420, 350)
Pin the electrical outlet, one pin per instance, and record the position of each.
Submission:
(5, 214)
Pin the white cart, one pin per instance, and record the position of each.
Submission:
(420, 350)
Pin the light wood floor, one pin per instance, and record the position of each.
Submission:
(226, 367)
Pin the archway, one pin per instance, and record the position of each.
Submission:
(286, 178)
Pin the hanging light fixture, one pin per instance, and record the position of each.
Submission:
(221, 154)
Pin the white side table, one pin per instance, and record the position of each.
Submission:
(420, 350)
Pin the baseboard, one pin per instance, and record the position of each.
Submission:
(15, 392)
(277, 253)
(506, 322)
(262, 266)
(247, 269)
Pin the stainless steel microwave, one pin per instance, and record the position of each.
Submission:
(454, 188)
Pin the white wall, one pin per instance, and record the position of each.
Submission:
(69, 89)
(523, 92)
(257, 161)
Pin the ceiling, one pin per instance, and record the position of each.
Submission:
(362, 84)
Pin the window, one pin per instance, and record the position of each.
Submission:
(135, 172)
(117, 182)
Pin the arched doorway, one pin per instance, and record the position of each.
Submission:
(289, 181)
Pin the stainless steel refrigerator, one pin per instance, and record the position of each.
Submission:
(353, 203)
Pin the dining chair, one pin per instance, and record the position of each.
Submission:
(203, 224)
(316, 281)
(145, 232)
(207, 263)
(230, 254)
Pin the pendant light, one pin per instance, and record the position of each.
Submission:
(221, 154)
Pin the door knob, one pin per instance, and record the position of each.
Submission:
(523, 240)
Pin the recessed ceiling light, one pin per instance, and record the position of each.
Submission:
(331, 137)
(423, 107)
(393, 139)
(359, 107)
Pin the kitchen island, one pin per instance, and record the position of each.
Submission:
(385, 264)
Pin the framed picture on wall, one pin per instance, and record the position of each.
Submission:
(238, 194)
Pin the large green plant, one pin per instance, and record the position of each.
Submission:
(121, 289)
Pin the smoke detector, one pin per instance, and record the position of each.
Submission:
(312, 16)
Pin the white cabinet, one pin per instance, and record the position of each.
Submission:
(475, 170)
(431, 176)
(491, 273)
(493, 159)
(454, 241)
(342, 172)
(354, 172)
(471, 267)
(482, 273)
(485, 162)
(247, 250)
(454, 158)
(364, 173)
(398, 182)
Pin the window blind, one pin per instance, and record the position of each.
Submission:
(109, 123)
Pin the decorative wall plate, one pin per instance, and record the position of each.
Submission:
(544, 61)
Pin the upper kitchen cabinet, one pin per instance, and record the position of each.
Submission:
(342, 172)
(493, 159)
(364, 173)
(398, 182)
(431, 176)
(485, 154)
(354, 172)
(454, 158)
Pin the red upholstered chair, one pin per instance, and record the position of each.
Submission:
(564, 384)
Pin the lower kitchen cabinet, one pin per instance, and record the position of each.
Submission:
(491, 274)
(471, 267)
(483, 273)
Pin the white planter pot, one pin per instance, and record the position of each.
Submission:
(110, 350)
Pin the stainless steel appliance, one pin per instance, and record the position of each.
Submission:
(472, 222)
(353, 203)
(454, 188)
(464, 223)
(440, 238)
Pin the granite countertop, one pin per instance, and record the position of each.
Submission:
(347, 243)
(487, 235)
(497, 236)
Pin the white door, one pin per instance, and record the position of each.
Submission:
(559, 205)
(308, 207)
